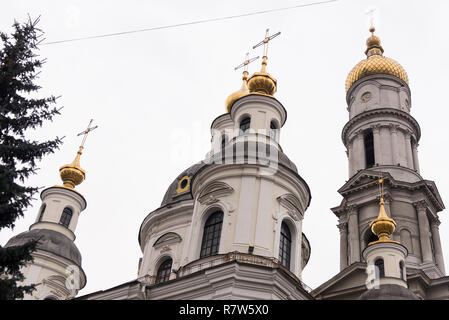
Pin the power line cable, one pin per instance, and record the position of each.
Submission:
(191, 23)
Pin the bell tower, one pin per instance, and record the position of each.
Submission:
(56, 269)
(381, 137)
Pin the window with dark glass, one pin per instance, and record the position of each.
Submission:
(379, 263)
(41, 214)
(371, 237)
(66, 217)
(285, 245)
(245, 125)
(211, 234)
(273, 130)
(368, 141)
(164, 271)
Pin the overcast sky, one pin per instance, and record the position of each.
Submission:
(154, 95)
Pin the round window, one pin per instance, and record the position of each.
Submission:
(184, 183)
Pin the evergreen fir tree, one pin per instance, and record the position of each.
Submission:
(20, 112)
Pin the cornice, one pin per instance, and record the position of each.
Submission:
(376, 112)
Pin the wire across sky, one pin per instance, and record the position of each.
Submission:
(191, 22)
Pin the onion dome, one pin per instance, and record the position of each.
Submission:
(375, 63)
(383, 226)
(233, 97)
(72, 174)
(262, 82)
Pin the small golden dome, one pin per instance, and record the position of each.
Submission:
(72, 174)
(375, 63)
(262, 82)
(383, 226)
(233, 97)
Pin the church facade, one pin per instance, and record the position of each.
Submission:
(230, 226)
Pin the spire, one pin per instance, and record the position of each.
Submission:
(373, 46)
(262, 82)
(244, 89)
(72, 174)
(383, 226)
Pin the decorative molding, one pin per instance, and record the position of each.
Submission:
(343, 227)
(374, 114)
(210, 193)
(292, 204)
(167, 239)
(165, 248)
(351, 209)
(375, 128)
(420, 205)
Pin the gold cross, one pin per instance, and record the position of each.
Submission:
(86, 132)
(370, 13)
(246, 62)
(265, 41)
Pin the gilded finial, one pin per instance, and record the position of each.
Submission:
(233, 97)
(72, 174)
(383, 226)
(262, 82)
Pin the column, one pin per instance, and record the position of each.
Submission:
(424, 231)
(343, 227)
(394, 143)
(377, 150)
(415, 156)
(350, 158)
(437, 244)
(358, 152)
(354, 240)
(408, 150)
(385, 139)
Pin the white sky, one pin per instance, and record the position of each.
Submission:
(154, 95)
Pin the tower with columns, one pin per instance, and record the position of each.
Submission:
(381, 138)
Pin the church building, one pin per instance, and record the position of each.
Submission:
(230, 226)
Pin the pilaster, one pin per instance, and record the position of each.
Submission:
(424, 231)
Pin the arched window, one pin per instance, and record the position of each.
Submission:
(285, 245)
(368, 141)
(273, 130)
(211, 235)
(41, 214)
(245, 125)
(66, 217)
(401, 268)
(379, 263)
(164, 271)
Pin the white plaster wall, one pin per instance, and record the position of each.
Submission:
(56, 199)
(392, 254)
(50, 274)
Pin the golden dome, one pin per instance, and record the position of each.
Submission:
(233, 97)
(72, 174)
(375, 63)
(262, 82)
